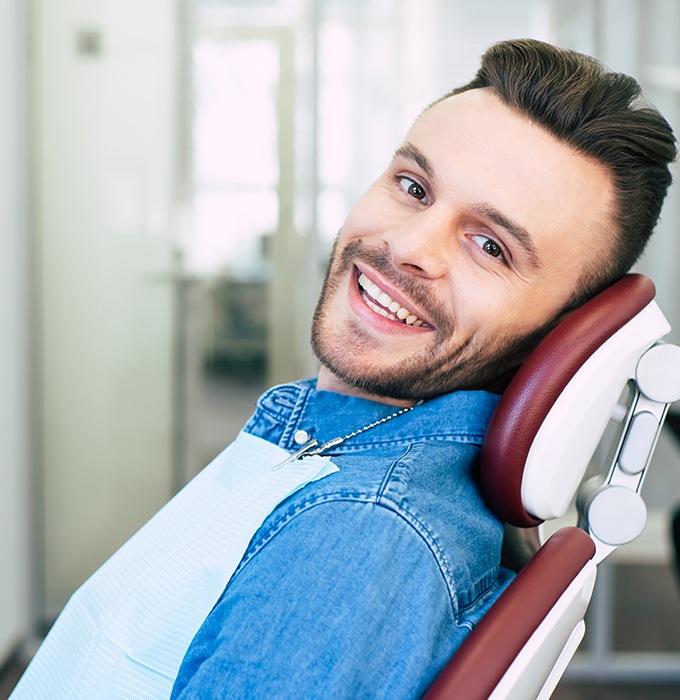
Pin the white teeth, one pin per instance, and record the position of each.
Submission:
(385, 300)
(379, 310)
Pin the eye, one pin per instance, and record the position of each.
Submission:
(413, 188)
(490, 247)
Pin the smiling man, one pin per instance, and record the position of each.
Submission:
(461, 254)
(510, 201)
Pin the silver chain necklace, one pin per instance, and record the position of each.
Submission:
(310, 448)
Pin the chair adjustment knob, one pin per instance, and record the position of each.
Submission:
(658, 373)
(616, 515)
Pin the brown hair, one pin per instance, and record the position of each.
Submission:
(600, 114)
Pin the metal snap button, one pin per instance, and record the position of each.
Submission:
(301, 437)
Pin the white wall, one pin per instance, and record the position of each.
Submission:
(14, 385)
(105, 144)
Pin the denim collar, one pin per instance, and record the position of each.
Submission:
(460, 416)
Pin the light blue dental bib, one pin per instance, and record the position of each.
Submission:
(125, 631)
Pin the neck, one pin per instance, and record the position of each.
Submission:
(327, 381)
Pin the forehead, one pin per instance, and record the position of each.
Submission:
(483, 152)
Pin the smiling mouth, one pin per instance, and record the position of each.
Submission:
(382, 303)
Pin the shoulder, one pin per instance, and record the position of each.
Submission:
(326, 522)
(341, 586)
(418, 504)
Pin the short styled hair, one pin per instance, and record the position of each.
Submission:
(602, 115)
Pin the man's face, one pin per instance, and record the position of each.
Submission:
(470, 243)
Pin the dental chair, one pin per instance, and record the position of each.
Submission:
(534, 466)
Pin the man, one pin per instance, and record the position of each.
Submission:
(510, 202)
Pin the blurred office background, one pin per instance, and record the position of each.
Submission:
(172, 175)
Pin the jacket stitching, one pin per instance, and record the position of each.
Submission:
(257, 545)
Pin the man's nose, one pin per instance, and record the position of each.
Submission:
(421, 244)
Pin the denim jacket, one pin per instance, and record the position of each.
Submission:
(364, 583)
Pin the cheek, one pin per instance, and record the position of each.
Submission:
(485, 309)
(476, 298)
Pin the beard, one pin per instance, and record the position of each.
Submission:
(428, 373)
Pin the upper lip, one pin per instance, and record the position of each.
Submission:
(394, 293)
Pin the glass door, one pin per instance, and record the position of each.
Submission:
(242, 325)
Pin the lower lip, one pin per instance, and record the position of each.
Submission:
(375, 320)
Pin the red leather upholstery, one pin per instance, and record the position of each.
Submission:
(487, 652)
(537, 384)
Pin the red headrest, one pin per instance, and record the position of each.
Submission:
(540, 381)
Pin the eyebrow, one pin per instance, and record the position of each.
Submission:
(408, 151)
(522, 237)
